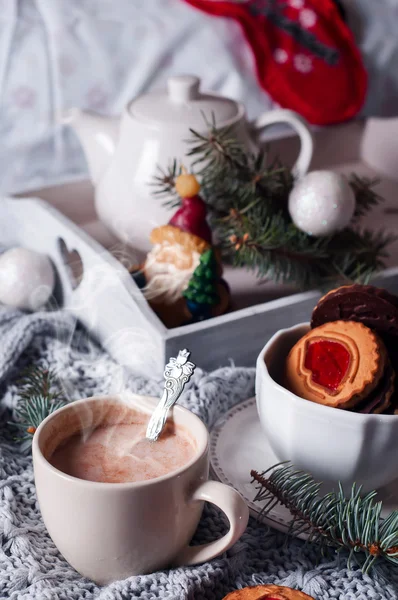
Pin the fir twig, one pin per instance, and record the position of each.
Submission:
(38, 398)
(231, 177)
(365, 196)
(164, 182)
(352, 523)
(247, 196)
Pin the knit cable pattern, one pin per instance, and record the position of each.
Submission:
(30, 565)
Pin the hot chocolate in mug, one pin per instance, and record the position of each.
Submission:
(109, 531)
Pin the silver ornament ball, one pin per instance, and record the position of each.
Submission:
(322, 203)
(27, 279)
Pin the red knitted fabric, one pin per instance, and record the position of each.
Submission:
(306, 58)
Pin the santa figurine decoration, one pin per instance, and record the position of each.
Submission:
(191, 216)
(181, 276)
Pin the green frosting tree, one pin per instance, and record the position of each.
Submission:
(202, 287)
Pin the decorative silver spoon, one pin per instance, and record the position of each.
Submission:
(177, 373)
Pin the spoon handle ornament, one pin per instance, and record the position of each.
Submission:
(177, 373)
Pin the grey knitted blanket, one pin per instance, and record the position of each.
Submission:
(30, 565)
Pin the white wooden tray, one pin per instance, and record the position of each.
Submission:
(108, 302)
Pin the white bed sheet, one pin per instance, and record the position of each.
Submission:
(97, 54)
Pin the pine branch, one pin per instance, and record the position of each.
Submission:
(247, 196)
(352, 523)
(229, 173)
(164, 183)
(281, 252)
(38, 398)
(365, 196)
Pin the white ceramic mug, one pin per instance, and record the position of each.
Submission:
(109, 531)
(331, 444)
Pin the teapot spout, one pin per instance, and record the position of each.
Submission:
(98, 136)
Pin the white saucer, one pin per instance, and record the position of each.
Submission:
(238, 445)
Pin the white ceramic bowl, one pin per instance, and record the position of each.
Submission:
(332, 444)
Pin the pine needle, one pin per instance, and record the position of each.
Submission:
(164, 183)
(352, 523)
(247, 197)
(38, 398)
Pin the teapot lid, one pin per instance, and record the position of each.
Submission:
(183, 103)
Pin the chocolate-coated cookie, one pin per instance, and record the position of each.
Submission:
(374, 307)
(380, 400)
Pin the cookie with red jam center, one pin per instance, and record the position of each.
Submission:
(267, 592)
(342, 364)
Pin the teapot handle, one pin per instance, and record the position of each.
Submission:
(302, 129)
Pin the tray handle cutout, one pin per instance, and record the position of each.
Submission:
(72, 262)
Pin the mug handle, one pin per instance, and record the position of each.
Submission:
(302, 129)
(237, 512)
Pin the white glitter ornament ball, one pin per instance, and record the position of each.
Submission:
(322, 203)
(27, 278)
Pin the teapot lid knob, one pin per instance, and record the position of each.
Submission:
(183, 87)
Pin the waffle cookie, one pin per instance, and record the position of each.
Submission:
(341, 364)
(267, 592)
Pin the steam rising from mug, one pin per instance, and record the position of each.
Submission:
(111, 447)
(103, 280)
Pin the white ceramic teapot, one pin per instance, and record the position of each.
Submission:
(123, 156)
